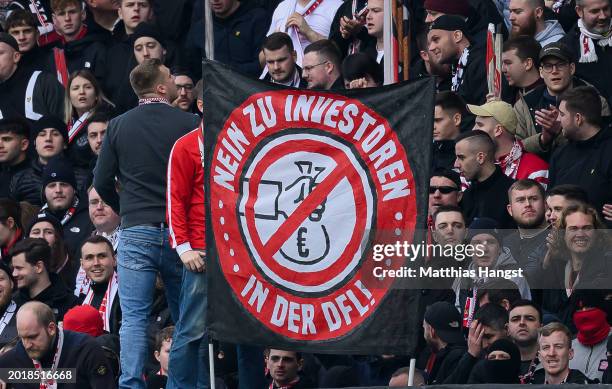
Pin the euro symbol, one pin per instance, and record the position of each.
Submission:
(301, 242)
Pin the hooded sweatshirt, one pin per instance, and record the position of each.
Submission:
(551, 33)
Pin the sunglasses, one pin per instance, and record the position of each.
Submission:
(442, 189)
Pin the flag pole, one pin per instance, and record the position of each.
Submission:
(411, 371)
(389, 57)
(209, 47)
(209, 37)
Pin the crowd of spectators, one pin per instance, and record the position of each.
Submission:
(102, 249)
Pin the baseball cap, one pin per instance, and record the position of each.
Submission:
(499, 110)
(446, 320)
(449, 23)
(557, 50)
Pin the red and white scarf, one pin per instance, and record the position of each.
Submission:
(587, 46)
(107, 302)
(52, 384)
(76, 126)
(69, 212)
(153, 100)
(458, 71)
(510, 162)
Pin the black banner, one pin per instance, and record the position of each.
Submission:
(299, 187)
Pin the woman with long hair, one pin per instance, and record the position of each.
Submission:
(82, 100)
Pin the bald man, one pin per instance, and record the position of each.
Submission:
(487, 195)
(42, 344)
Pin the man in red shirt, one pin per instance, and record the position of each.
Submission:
(185, 215)
(497, 118)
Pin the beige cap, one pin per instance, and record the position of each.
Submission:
(499, 110)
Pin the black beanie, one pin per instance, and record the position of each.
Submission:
(50, 122)
(58, 169)
(45, 217)
(146, 29)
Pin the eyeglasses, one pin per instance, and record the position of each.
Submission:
(187, 87)
(442, 189)
(309, 68)
(548, 67)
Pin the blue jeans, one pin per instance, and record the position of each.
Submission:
(188, 365)
(143, 251)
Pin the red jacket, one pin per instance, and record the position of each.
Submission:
(185, 194)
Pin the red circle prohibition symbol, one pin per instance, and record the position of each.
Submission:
(343, 169)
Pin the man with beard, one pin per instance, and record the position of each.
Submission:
(527, 18)
(590, 40)
(30, 260)
(184, 86)
(524, 322)
(104, 219)
(442, 332)
(98, 262)
(427, 65)
(555, 351)
(280, 57)
(45, 345)
(585, 160)
(487, 194)
(322, 66)
(60, 198)
(528, 244)
(449, 44)
(8, 306)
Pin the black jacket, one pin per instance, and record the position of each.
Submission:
(88, 52)
(462, 369)
(445, 363)
(136, 148)
(529, 254)
(238, 38)
(47, 95)
(57, 296)
(587, 164)
(119, 63)
(488, 199)
(79, 352)
(115, 314)
(473, 87)
(596, 73)
(574, 377)
(443, 154)
(16, 183)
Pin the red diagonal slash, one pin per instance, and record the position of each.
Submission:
(316, 197)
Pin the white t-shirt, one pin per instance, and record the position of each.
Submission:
(320, 20)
